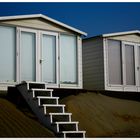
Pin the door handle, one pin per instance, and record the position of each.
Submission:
(41, 60)
(138, 68)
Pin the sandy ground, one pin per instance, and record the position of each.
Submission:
(99, 115)
(13, 123)
(103, 116)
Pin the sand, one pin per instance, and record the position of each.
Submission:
(13, 123)
(104, 116)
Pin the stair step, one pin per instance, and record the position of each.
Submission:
(45, 97)
(41, 92)
(66, 122)
(38, 85)
(66, 126)
(47, 100)
(73, 134)
(38, 89)
(60, 117)
(60, 113)
(53, 108)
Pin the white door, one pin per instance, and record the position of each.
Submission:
(49, 58)
(27, 55)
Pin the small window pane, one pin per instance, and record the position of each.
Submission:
(7, 54)
(68, 59)
(115, 62)
(27, 56)
(130, 65)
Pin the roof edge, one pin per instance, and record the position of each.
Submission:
(44, 17)
(121, 33)
(114, 34)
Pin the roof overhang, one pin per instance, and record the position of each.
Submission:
(5, 18)
(121, 33)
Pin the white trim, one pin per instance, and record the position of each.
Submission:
(38, 57)
(121, 33)
(123, 64)
(138, 65)
(17, 55)
(137, 71)
(79, 61)
(44, 17)
(70, 86)
(105, 58)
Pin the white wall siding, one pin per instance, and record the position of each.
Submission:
(93, 64)
(37, 23)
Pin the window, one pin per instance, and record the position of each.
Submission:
(7, 54)
(68, 59)
(27, 52)
(115, 62)
(49, 58)
(130, 64)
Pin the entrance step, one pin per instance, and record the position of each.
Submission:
(51, 108)
(66, 126)
(60, 117)
(38, 85)
(47, 100)
(73, 134)
(41, 92)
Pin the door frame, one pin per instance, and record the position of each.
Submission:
(18, 60)
(41, 33)
(129, 87)
(138, 65)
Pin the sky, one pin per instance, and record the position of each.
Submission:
(92, 18)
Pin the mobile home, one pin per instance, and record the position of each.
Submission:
(112, 62)
(39, 48)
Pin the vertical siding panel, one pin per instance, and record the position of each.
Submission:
(93, 64)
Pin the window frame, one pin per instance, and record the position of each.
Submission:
(15, 76)
(77, 63)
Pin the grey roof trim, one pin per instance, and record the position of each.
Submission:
(121, 33)
(44, 17)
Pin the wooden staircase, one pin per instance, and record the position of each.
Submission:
(48, 110)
